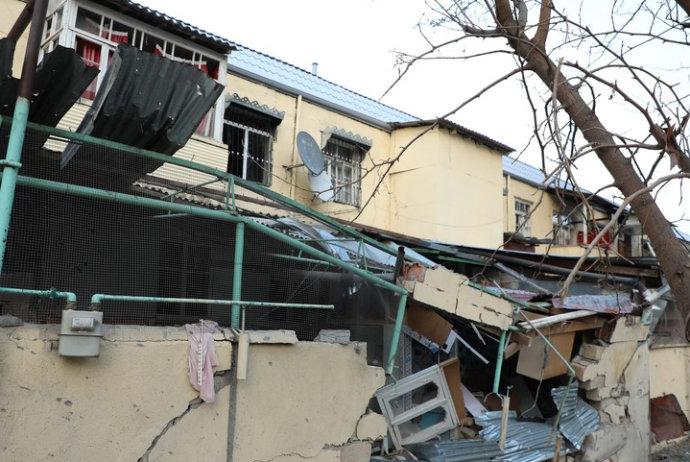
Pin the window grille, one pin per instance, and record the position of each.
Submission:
(249, 136)
(345, 167)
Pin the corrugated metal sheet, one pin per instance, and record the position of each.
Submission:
(274, 72)
(61, 78)
(525, 441)
(169, 24)
(153, 103)
(612, 304)
(578, 419)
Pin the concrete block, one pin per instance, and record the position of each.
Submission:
(606, 442)
(596, 382)
(602, 393)
(612, 409)
(592, 351)
(629, 329)
(372, 427)
(614, 359)
(355, 452)
(449, 291)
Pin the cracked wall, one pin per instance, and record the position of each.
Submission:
(614, 373)
(303, 402)
(133, 403)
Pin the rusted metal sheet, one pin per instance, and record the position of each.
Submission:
(667, 418)
(612, 304)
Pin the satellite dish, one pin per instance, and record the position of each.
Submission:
(322, 186)
(311, 154)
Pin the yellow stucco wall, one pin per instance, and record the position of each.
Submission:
(543, 206)
(10, 11)
(446, 188)
(669, 368)
(135, 400)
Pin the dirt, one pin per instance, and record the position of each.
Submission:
(675, 452)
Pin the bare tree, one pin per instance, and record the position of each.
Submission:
(588, 57)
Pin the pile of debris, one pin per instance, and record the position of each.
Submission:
(492, 374)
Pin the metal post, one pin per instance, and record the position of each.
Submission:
(499, 360)
(12, 162)
(396, 334)
(237, 274)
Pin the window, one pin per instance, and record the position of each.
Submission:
(523, 224)
(249, 136)
(344, 161)
(562, 228)
(95, 37)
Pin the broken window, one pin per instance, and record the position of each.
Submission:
(344, 160)
(523, 224)
(95, 36)
(562, 228)
(249, 136)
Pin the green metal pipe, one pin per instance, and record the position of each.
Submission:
(499, 360)
(396, 334)
(70, 297)
(237, 273)
(201, 212)
(97, 299)
(232, 180)
(10, 170)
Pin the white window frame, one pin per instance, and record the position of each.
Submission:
(67, 34)
(523, 221)
(344, 161)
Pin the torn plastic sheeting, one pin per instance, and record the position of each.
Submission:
(578, 419)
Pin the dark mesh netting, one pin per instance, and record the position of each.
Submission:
(101, 225)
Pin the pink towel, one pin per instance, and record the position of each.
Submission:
(202, 358)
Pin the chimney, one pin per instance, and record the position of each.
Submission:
(314, 68)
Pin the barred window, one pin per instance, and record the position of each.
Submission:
(249, 136)
(345, 167)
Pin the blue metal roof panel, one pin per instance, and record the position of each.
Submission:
(267, 69)
(169, 24)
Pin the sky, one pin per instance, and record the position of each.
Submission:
(355, 44)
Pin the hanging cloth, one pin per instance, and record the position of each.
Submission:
(202, 358)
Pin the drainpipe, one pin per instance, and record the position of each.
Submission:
(22, 21)
(237, 274)
(10, 165)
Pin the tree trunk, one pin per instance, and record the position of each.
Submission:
(672, 256)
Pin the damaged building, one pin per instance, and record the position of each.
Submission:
(197, 267)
